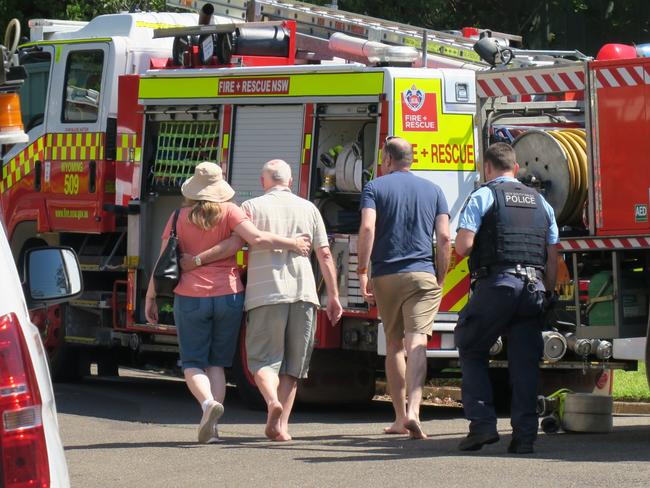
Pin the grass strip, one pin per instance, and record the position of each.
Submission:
(631, 385)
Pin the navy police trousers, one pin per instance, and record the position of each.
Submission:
(502, 305)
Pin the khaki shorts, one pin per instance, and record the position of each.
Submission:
(407, 302)
(281, 337)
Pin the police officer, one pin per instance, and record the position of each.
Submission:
(509, 232)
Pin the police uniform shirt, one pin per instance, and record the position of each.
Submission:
(482, 199)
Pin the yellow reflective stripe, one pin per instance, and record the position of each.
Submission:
(59, 140)
(306, 84)
(137, 155)
(458, 306)
(455, 275)
(240, 258)
(307, 141)
(226, 141)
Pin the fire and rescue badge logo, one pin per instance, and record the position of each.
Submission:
(414, 98)
(419, 110)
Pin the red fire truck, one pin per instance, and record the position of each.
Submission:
(121, 109)
(577, 129)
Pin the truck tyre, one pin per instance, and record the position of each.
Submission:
(65, 365)
(587, 403)
(108, 365)
(338, 377)
(587, 422)
(246, 387)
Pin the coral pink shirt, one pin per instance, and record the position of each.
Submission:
(212, 279)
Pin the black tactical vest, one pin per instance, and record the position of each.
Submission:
(513, 231)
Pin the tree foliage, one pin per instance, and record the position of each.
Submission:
(553, 24)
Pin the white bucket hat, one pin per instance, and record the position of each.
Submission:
(207, 184)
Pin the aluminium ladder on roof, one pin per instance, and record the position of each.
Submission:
(321, 22)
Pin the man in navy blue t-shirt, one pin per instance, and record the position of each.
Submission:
(399, 212)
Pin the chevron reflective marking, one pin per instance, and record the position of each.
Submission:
(51, 147)
(623, 76)
(530, 82)
(637, 242)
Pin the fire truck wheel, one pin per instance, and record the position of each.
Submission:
(338, 377)
(64, 358)
(588, 403)
(587, 422)
(246, 387)
(108, 365)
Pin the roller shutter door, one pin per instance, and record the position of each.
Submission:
(263, 133)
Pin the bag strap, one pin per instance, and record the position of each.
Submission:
(173, 231)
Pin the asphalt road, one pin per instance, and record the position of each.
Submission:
(140, 431)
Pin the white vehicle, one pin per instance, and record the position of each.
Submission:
(32, 452)
(30, 445)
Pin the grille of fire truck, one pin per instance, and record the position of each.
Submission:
(181, 146)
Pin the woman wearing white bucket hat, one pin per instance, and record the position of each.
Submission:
(209, 299)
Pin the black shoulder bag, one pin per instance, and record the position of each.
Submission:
(167, 271)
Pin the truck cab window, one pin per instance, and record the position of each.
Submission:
(83, 78)
(33, 94)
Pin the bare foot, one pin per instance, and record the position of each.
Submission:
(282, 437)
(272, 429)
(396, 428)
(414, 429)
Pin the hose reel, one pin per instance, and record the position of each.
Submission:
(349, 168)
(555, 162)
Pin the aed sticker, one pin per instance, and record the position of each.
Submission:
(640, 212)
(441, 141)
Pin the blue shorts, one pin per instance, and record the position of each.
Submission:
(208, 329)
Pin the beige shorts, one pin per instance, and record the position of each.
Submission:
(407, 302)
(281, 337)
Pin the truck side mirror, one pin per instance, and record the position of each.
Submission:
(52, 275)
